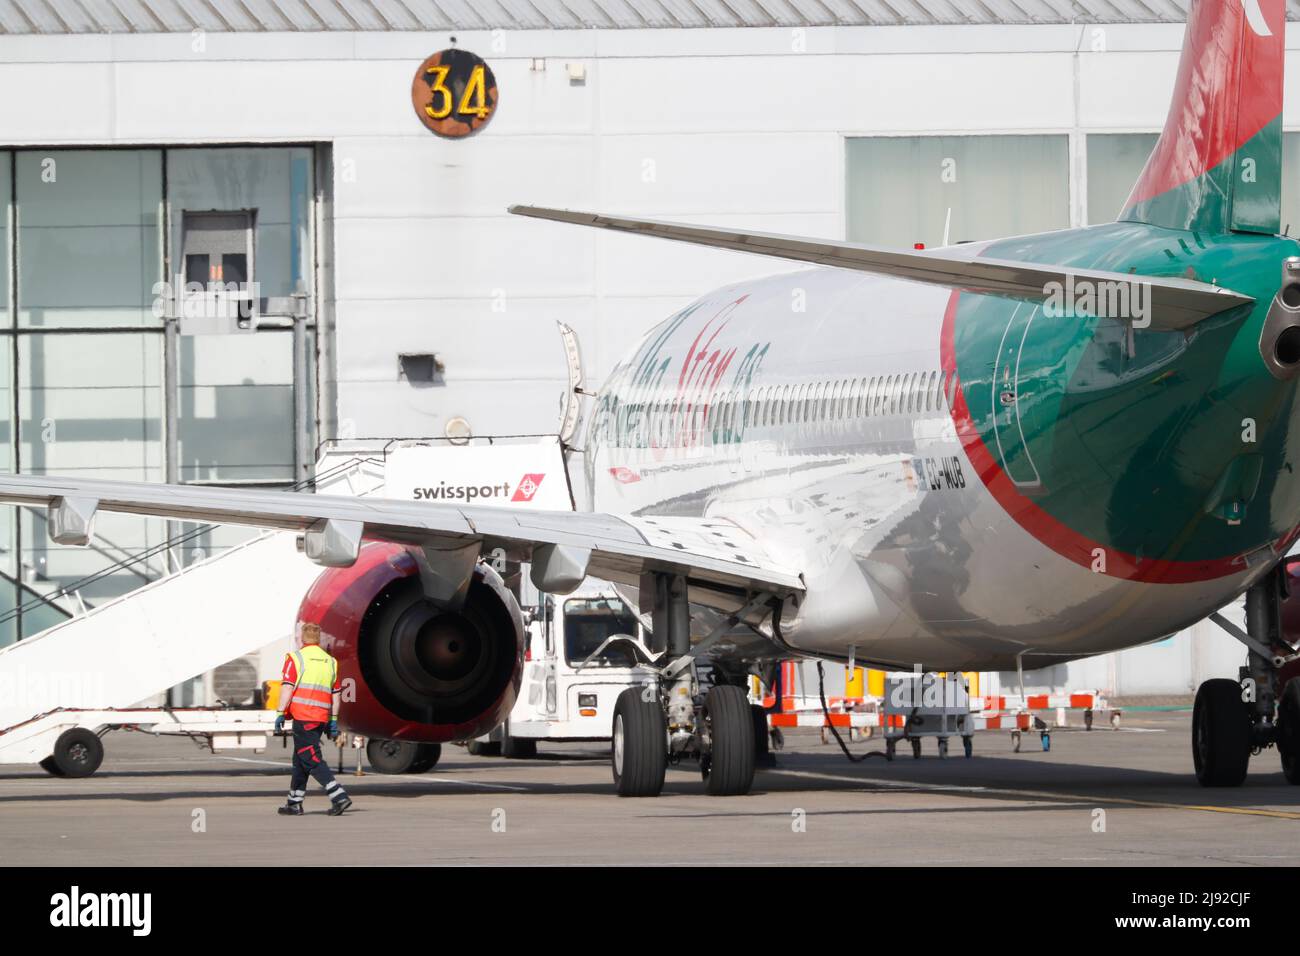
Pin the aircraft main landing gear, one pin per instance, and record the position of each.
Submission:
(1233, 719)
(680, 716)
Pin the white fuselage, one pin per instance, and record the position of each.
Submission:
(810, 410)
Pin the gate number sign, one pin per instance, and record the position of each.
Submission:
(454, 93)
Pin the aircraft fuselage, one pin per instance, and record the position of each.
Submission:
(964, 479)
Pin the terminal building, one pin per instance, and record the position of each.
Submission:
(371, 285)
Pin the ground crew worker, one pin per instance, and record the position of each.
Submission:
(309, 694)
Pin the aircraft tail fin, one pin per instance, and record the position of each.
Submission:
(1217, 166)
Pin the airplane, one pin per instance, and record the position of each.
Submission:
(1001, 454)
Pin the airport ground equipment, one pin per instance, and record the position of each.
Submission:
(864, 714)
(926, 705)
(585, 648)
(130, 649)
(68, 742)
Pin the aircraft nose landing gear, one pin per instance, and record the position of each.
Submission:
(1233, 719)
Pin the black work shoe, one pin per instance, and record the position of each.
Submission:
(338, 808)
(291, 810)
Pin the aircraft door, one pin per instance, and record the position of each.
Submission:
(1012, 391)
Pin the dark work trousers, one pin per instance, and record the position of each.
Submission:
(308, 760)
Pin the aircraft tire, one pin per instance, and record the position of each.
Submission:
(391, 756)
(731, 762)
(426, 758)
(78, 752)
(1288, 730)
(1221, 734)
(517, 748)
(639, 745)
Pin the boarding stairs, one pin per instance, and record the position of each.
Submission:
(132, 648)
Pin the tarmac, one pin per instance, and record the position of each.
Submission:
(1107, 797)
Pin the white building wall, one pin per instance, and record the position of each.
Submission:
(732, 127)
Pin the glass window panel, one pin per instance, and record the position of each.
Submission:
(6, 162)
(903, 189)
(1114, 162)
(274, 182)
(91, 405)
(1291, 184)
(236, 407)
(89, 252)
(48, 566)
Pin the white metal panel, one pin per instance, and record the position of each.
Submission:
(1126, 91)
(409, 258)
(721, 174)
(273, 100)
(692, 271)
(55, 100)
(429, 177)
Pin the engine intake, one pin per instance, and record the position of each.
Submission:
(417, 669)
(435, 665)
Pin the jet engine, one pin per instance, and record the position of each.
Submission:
(413, 668)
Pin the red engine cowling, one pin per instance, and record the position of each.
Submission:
(421, 672)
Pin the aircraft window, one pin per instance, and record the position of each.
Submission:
(887, 396)
(934, 391)
(872, 392)
(912, 392)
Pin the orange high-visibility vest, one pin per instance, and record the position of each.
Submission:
(312, 694)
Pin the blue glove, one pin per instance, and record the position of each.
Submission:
(279, 722)
(334, 728)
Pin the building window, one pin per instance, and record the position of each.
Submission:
(905, 189)
(89, 253)
(101, 236)
(1115, 161)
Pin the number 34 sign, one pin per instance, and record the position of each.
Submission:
(455, 93)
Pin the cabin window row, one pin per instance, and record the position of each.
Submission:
(905, 393)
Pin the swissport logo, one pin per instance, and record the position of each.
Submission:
(527, 487)
(500, 491)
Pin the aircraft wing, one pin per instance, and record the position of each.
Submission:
(1175, 304)
(712, 553)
